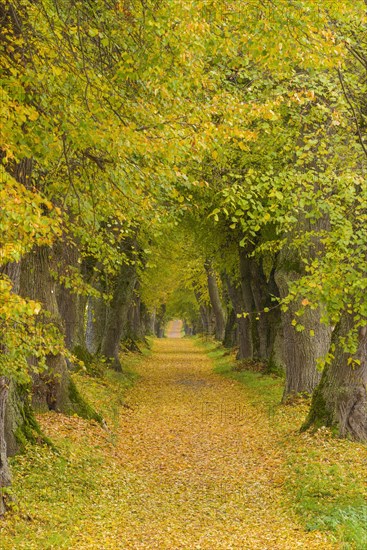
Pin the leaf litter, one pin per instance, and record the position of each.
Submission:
(194, 465)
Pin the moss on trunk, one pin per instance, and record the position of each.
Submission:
(21, 426)
(79, 406)
(318, 414)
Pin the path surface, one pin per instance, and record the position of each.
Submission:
(174, 329)
(200, 467)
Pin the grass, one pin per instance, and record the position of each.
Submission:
(57, 490)
(325, 478)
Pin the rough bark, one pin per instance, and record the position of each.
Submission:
(206, 315)
(12, 270)
(215, 300)
(244, 336)
(5, 478)
(259, 319)
(249, 332)
(52, 389)
(150, 322)
(96, 324)
(72, 310)
(276, 362)
(265, 323)
(71, 303)
(136, 319)
(160, 321)
(301, 349)
(117, 313)
(20, 423)
(230, 334)
(340, 400)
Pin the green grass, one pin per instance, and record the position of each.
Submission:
(325, 478)
(264, 390)
(329, 488)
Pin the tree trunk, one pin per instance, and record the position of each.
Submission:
(96, 324)
(151, 322)
(136, 331)
(72, 304)
(160, 321)
(117, 312)
(259, 319)
(220, 321)
(5, 478)
(340, 400)
(249, 332)
(20, 423)
(50, 389)
(206, 315)
(301, 349)
(230, 334)
(244, 337)
(265, 323)
(72, 310)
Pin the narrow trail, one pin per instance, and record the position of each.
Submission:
(200, 470)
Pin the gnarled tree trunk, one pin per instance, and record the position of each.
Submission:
(244, 338)
(72, 310)
(301, 350)
(71, 304)
(340, 400)
(50, 389)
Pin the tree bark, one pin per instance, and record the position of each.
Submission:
(5, 478)
(96, 324)
(72, 308)
(117, 312)
(220, 320)
(206, 315)
(301, 349)
(244, 333)
(71, 303)
(248, 330)
(136, 329)
(159, 324)
(230, 334)
(340, 400)
(50, 389)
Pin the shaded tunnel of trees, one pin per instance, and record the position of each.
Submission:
(158, 162)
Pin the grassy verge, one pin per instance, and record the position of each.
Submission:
(324, 478)
(58, 492)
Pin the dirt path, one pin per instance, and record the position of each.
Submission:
(200, 469)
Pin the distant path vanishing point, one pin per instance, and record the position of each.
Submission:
(174, 329)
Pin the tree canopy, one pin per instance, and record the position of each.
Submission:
(203, 160)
